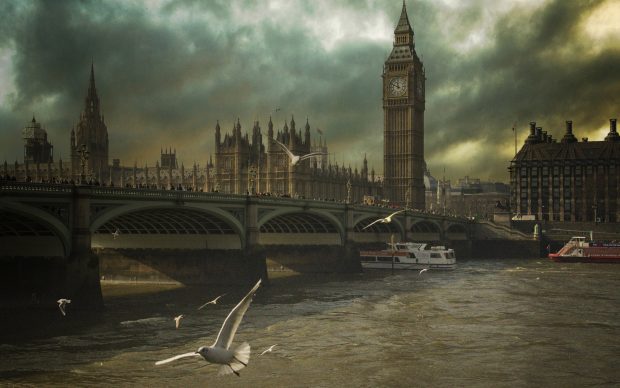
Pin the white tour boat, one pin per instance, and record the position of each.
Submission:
(409, 255)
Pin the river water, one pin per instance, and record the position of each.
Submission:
(504, 323)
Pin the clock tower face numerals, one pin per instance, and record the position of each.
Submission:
(397, 87)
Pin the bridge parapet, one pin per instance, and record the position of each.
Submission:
(21, 187)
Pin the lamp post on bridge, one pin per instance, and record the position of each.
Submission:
(349, 190)
(251, 177)
(407, 198)
(83, 152)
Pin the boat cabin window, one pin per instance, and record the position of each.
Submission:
(435, 255)
(387, 259)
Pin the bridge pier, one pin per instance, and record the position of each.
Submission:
(81, 282)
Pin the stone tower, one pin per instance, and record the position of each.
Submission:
(403, 121)
(92, 132)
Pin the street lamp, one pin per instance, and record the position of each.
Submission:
(83, 152)
(251, 177)
(407, 198)
(349, 190)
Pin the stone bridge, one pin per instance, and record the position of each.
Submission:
(71, 228)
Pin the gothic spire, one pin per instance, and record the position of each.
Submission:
(92, 100)
(403, 23)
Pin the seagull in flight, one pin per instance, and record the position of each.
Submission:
(298, 158)
(214, 301)
(177, 320)
(423, 270)
(115, 234)
(61, 305)
(269, 349)
(231, 361)
(385, 220)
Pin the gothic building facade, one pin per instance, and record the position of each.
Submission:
(403, 123)
(246, 164)
(569, 180)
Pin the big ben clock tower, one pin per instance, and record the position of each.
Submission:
(403, 119)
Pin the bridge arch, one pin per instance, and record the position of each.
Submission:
(178, 224)
(34, 221)
(297, 221)
(456, 228)
(425, 226)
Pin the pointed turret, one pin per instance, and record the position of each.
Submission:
(403, 33)
(270, 129)
(92, 100)
(307, 134)
(218, 135)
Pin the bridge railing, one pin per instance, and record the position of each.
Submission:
(161, 194)
(20, 187)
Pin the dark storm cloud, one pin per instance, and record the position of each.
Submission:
(536, 68)
(165, 79)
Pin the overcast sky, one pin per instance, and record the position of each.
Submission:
(166, 70)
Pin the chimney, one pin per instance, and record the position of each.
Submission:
(531, 139)
(613, 133)
(568, 136)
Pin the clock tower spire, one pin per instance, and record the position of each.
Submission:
(403, 118)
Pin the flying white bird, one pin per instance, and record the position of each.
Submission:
(269, 349)
(298, 158)
(177, 320)
(385, 220)
(231, 361)
(423, 270)
(214, 301)
(61, 305)
(115, 234)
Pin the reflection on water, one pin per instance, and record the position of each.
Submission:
(504, 323)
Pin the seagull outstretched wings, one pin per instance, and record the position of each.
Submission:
(385, 220)
(231, 360)
(214, 301)
(296, 158)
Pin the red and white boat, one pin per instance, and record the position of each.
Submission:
(580, 250)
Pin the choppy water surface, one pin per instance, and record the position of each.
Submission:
(488, 323)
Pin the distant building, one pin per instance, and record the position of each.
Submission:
(569, 180)
(469, 197)
(37, 150)
(243, 164)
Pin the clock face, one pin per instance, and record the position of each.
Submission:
(397, 87)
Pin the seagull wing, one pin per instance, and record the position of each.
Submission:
(311, 155)
(167, 360)
(289, 153)
(372, 223)
(395, 213)
(62, 309)
(229, 328)
(209, 302)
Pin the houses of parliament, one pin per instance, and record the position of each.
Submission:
(244, 163)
